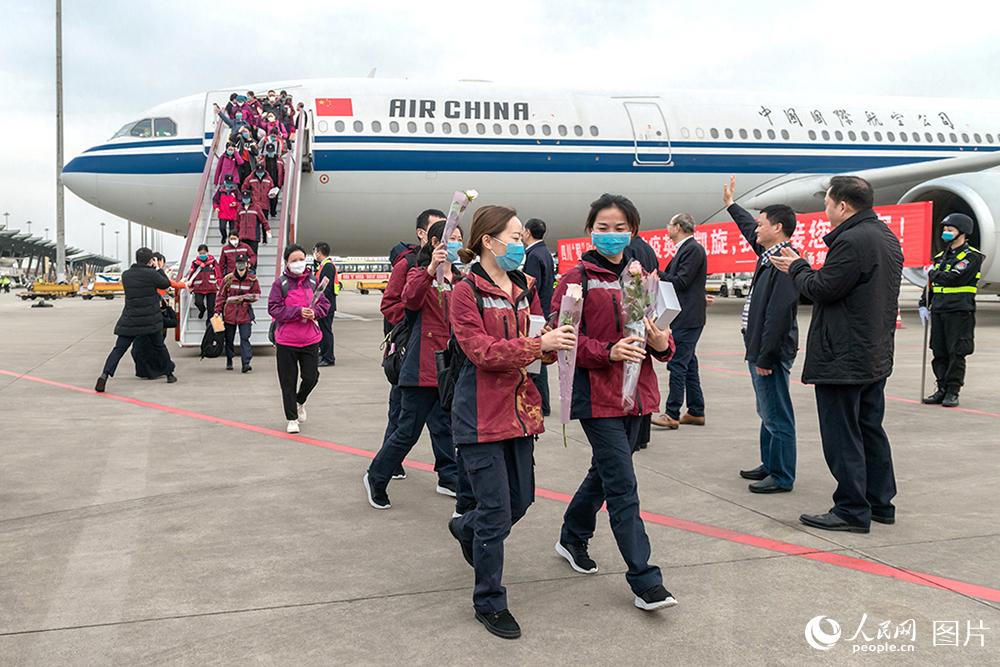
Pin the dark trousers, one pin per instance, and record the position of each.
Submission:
(395, 399)
(642, 439)
(951, 340)
(777, 423)
(418, 406)
(157, 350)
(684, 378)
(246, 351)
(294, 362)
(253, 245)
(204, 302)
(857, 449)
(326, 345)
(502, 476)
(272, 207)
(541, 381)
(611, 478)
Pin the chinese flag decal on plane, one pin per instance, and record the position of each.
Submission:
(334, 106)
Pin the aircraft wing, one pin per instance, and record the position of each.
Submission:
(805, 193)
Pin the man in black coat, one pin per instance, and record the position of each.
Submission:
(141, 317)
(539, 265)
(687, 272)
(771, 338)
(325, 268)
(849, 353)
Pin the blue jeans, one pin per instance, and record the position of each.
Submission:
(246, 351)
(777, 423)
(418, 406)
(684, 378)
(611, 479)
(502, 475)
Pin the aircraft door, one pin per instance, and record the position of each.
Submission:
(650, 134)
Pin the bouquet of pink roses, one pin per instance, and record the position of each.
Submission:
(638, 302)
(570, 312)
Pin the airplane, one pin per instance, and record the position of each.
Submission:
(381, 150)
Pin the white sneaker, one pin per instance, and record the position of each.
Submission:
(301, 409)
(456, 515)
(293, 426)
(445, 491)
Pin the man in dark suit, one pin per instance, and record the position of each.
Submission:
(771, 337)
(539, 265)
(325, 268)
(687, 272)
(855, 297)
(140, 318)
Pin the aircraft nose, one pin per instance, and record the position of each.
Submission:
(80, 180)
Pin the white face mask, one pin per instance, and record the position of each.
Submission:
(234, 242)
(298, 267)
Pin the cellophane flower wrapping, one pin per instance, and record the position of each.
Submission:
(571, 313)
(638, 302)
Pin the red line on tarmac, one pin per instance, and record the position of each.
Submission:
(707, 530)
(888, 397)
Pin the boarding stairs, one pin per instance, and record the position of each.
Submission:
(203, 227)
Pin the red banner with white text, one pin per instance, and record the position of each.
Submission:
(729, 252)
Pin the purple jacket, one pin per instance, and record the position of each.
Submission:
(228, 165)
(292, 329)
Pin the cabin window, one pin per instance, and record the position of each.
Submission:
(784, 134)
(359, 126)
(446, 127)
(729, 133)
(593, 131)
(928, 137)
(839, 135)
(953, 137)
(852, 136)
(376, 126)
(758, 135)
(812, 135)
(989, 138)
(891, 136)
(514, 129)
(903, 137)
(530, 129)
(411, 127)
(965, 138)
(429, 127)
(826, 135)
(714, 132)
(864, 136)
(878, 136)
(339, 126)
(393, 126)
(497, 128)
(743, 134)
(916, 137)
(562, 130)
(978, 138)
(463, 128)
(164, 127)
(480, 128)
(771, 134)
(577, 130)
(941, 137)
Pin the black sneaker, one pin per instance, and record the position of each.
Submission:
(102, 382)
(229, 365)
(171, 378)
(934, 399)
(950, 400)
(466, 546)
(655, 598)
(246, 369)
(377, 498)
(501, 624)
(577, 556)
(400, 473)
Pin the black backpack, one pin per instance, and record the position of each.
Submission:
(212, 343)
(283, 282)
(394, 347)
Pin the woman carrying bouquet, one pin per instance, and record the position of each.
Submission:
(606, 353)
(497, 410)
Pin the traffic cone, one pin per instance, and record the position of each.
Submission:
(899, 320)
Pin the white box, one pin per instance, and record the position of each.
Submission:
(667, 305)
(535, 328)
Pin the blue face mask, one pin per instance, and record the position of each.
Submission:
(453, 248)
(948, 236)
(510, 260)
(610, 244)
(203, 257)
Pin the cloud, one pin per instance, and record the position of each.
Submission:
(121, 57)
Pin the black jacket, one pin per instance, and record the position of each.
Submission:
(329, 270)
(644, 252)
(855, 299)
(772, 333)
(141, 313)
(687, 271)
(954, 268)
(539, 265)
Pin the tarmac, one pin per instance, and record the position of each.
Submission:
(180, 524)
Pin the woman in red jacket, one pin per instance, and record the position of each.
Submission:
(237, 294)
(204, 280)
(597, 402)
(497, 411)
(426, 305)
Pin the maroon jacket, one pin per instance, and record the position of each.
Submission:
(248, 223)
(229, 253)
(258, 189)
(494, 398)
(392, 298)
(237, 312)
(205, 276)
(597, 384)
(431, 329)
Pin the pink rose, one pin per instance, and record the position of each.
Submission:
(635, 268)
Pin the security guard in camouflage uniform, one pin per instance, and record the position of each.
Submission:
(951, 309)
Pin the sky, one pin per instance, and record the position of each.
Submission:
(122, 57)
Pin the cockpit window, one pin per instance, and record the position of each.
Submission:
(164, 127)
(143, 129)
